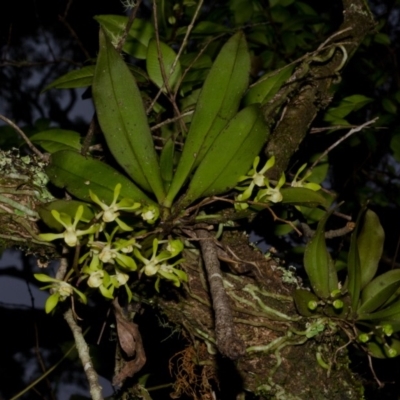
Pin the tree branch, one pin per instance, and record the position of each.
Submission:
(83, 352)
(228, 343)
(313, 93)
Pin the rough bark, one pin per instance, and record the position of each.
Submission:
(309, 92)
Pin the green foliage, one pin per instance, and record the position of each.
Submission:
(123, 119)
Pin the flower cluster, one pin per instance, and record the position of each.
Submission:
(257, 179)
(110, 258)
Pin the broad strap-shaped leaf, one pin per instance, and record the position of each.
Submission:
(123, 119)
(153, 65)
(230, 156)
(78, 174)
(138, 36)
(56, 139)
(78, 78)
(217, 104)
(318, 263)
(370, 246)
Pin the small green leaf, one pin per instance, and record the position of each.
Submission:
(122, 117)
(153, 65)
(230, 156)
(53, 140)
(354, 268)
(303, 196)
(370, 246)
(318, 263)
(302, 299)
(78, 174)
(74, 79)
(217, 104)
(345, 107)
(379, 291)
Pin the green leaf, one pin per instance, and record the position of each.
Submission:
(153, 65)
(230, 156)
(354, 268)
(318, 263)
(346, 106)
(217, 104)
(379, 290)
(138, 36)
(370, 246)
(53, 140)
(65, 206)
(303, 196)
(167, 161)
(79, 78)
(123, 119)
(78, 174)
(302, 299)
(267, 86)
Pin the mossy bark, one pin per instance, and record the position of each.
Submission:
(281, 360)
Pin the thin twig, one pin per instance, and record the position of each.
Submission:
(63, 20)
(83, 352)
(128, 26)
(169, 120)
(186, 38)
(347, 135)
(93, 126)
(27, 141)
(334, 233)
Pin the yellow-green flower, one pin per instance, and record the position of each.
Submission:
(110, 212)
(271, 194)
(61, 291)
(302, 183)
(71, 233)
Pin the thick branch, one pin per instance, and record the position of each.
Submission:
(228, 343)
(314, 95)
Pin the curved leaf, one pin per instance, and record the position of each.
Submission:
(318, 263)
(53, 140)
(379, 290)
(353, 268)
(79, 78)
(78, 174)
(303, 196)
(217, 104)
(370, 246)
(153, 65)
(230, 156)
(123, 119)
